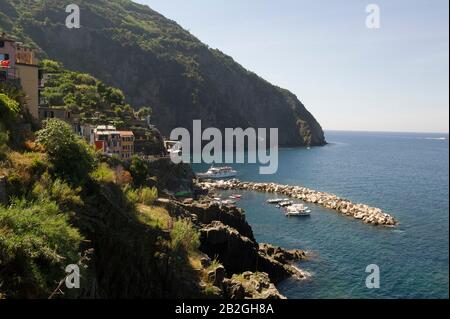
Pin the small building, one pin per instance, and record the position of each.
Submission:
(127, 143)
(61, 114)
(108, 140)
(18, 62)
(55, 113)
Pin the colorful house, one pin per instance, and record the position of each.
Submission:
(110, 141)
(18, 62)
(127, 143)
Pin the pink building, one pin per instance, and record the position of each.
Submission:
(7, 53)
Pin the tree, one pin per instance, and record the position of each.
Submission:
(9, 110)
(139, 171)
(144, 112)
(3, 145)
(73, 159)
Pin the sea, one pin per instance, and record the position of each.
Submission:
(405, 174)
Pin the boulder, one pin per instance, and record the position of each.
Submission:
(239, 254)
(251, 286)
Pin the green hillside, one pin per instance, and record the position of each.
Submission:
(156, 62)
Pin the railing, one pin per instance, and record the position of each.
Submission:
(8, 73)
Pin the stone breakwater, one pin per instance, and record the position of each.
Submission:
(369, 215)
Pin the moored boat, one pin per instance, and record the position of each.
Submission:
(297, 210)
(275, 200)
(218, 173)
(285, 203)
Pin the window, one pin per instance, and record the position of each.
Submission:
(2, 44)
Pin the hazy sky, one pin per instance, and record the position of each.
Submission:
(350, 77)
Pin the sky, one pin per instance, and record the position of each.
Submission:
(350, 77)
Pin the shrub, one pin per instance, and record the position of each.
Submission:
(139, 171)
(3, 145)
(32, 146)
(123, 177)
(148, 195)
(154, 216)
(72, 157)
(50, 66)
(9, 111)
(144, 112)
(38, 166)
(57, 191)
(104, 174)
(132, 195)
(8, 105)
(185, 236)
(36, 243)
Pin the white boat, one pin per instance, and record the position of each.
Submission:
(218, 173)
(275, 200)
(228, 202)
(285, 203)
(297, 210)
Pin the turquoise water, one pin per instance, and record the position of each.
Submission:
(405, 174)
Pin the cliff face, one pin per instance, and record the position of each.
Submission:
(157, 63)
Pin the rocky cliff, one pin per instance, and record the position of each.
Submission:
(157, 63)
(225, 235)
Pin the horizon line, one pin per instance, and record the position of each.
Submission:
(387, 131)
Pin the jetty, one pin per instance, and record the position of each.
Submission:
(369, 215)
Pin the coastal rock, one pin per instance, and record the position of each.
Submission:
(234, 289)
(205, 262)
(217, 276)
(239, 253)
(281, 255)
(251, 285)
(207, 212)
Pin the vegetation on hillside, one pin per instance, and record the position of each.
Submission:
(66, 202)
(36, 243)
(86, 96)
(72, 158)
(12, 113)
(11, 106)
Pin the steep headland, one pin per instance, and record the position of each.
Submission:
(157, 63)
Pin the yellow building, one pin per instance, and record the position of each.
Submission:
(29, 79)
(127, 144)
(22, 65)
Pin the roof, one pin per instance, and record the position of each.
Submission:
(106, 127)
(3, 37)
(107, 133)
(126, 133)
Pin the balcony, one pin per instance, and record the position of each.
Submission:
(8, 74)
